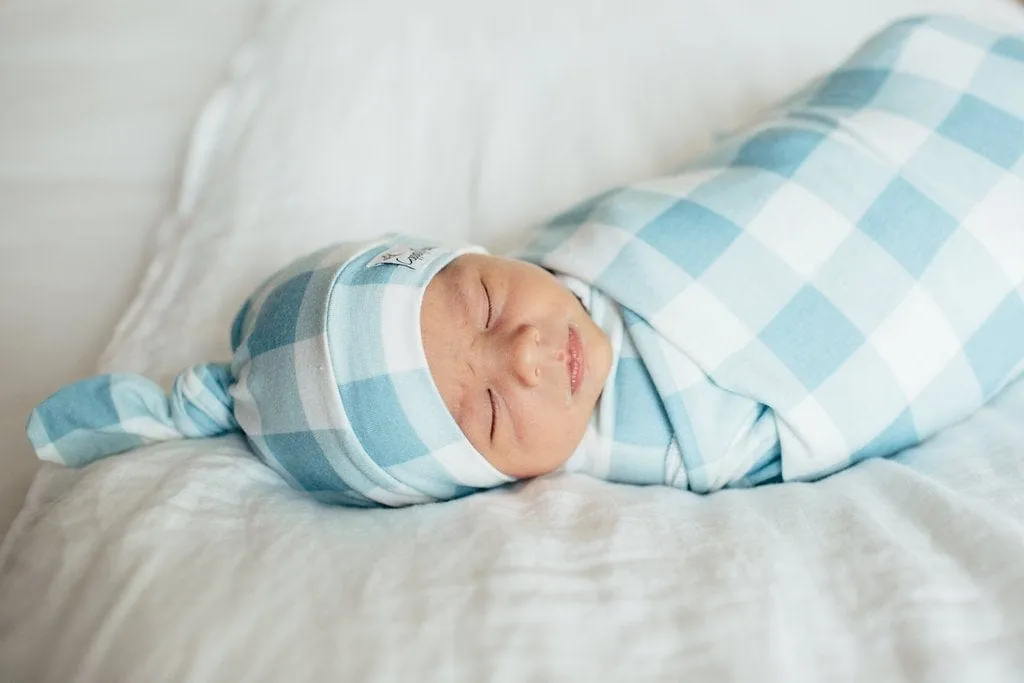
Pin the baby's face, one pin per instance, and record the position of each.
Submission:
(517, 360)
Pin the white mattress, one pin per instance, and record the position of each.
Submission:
(98, 98)
(192, 562)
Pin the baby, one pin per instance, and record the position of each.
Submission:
(391, 372)
(839, 282)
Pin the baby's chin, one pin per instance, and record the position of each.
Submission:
(527, 465)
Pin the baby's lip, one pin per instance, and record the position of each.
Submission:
(575, 360)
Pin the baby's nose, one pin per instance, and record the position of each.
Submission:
(525, 355)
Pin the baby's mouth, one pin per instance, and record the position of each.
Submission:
(575, 365)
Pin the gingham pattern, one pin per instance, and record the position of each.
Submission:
(333, 388)
(838, 282)
(114, 413)
(329, 383)
(630, 439)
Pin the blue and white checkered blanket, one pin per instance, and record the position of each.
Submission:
(840, 281)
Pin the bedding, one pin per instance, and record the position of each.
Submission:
(340, 120)
(98, 100)
(184, 562)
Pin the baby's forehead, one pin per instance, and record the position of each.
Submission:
(477, 259)
(507, 266)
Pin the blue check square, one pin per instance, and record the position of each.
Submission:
(303, 457)
(691, 235)
(641, 419)
(908, 225)
(812, 337)
(91, 402)
(985, 130)
(901, 433)
(988, 351)
(279, 315)
(1009, 47)
(779, 150)
(386, 433)
(851, 89)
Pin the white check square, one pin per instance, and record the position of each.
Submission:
(319, 414)
(894, 138)
(898, 340)
(593, 247)
(800, 228)
(810, 439)
(691, 314)
(939, 57)
(998, 223)
(399, 354)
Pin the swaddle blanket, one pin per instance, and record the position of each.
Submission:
(329, 383)
(839, 282)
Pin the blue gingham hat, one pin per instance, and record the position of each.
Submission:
(329, 383)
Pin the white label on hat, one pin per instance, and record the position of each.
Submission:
(403, 255)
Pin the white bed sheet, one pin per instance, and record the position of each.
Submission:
(193, 562)
(97, 98)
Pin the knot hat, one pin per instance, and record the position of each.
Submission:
(329, 383)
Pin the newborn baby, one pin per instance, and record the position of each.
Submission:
(390, 372)
(839, 282)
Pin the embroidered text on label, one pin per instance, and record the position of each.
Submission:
(400, 255)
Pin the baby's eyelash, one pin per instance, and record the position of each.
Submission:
(494, 411)
(490, 305)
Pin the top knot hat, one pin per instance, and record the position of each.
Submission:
(329, 383)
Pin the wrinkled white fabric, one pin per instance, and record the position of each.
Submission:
(194, 562)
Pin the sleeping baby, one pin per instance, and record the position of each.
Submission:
(838, 282)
